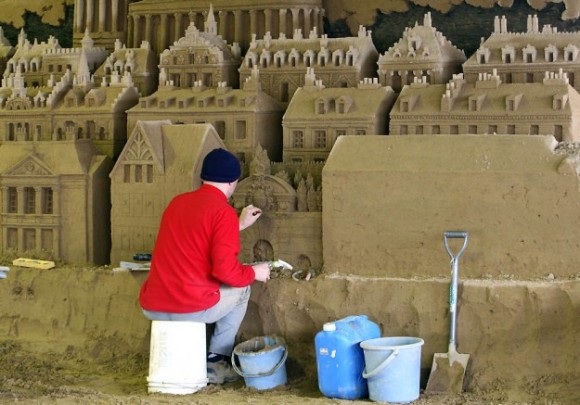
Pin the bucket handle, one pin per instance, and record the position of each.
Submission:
(264, 374)
(381, 366)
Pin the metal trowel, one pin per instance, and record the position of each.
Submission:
(448, 369)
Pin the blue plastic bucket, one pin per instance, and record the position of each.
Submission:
(262, 362)
(393, 368)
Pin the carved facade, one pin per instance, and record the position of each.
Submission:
(105, 21)
(421, 52)
(489, 106)
(47, 61)
(41, 198)
(339, 62)
(317, 116)
(73, 108)
(140, 63)
(524, 57)
(162, 23)
(243, 118)
(200, 56)
(158, 162)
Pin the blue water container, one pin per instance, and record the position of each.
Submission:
(340, 359)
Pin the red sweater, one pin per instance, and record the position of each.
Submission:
(195, 252)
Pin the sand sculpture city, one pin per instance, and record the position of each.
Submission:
(485, 143)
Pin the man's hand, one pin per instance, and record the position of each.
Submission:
(262, 271)
(248, 216)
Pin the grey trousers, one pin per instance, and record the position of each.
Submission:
(227, 315)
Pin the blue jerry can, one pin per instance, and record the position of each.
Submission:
(340, 359)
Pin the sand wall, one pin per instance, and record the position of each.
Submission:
(388, 199)
(531, 326)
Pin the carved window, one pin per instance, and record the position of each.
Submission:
(558, 132)
(284, 91)
(472, 129)
(436, 130)
(340, 132)
(570, 53)
(297, 139)
(138, 173)
(240, 129)
(12, 238)
(492, 129)
(360, 132)
(46, 239)
(511, 129)
(529, 77)
(534, 130)
(29, 239)
(320, 139)
(220, 127)
(404, 130)
(508, 54)
(47, 200)
(453, 129)
(12, 200)
(551, 53)
(29, 200)
(320, 107)
(419, 130)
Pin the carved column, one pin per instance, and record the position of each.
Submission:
(136, 29)
(307, 21)
(283, 28)
(238, 29)
(130, 33)
(178, 29)
(114, 15)
(163, 35)
(90, 15)
(316, 21)
(148, 28)
(253, 22)
(223, 15)
(102, 15)
(295, 21)
(80, 14)
(268, 20)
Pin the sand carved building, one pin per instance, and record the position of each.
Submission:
(105, 20)
(158, 162)
(524, 57)
(291, 224)
(200, 56)
(140, 63)
(316, 116)
(243, 118)
(40, 62)
(72, 108)
(162, 23)
(339, 62)
(489, 106)
(421, 52)
(55, 207)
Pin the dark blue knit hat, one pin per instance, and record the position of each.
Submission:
(221, 166)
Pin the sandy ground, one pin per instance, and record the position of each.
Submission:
(52, 379)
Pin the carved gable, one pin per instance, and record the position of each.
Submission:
(30, 166)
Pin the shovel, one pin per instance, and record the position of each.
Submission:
(448, 369)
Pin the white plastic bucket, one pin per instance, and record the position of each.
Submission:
(177, 360)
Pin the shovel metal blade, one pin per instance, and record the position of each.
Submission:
(447, 373)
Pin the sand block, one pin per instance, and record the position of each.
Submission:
(33, 263)
(387, 200)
